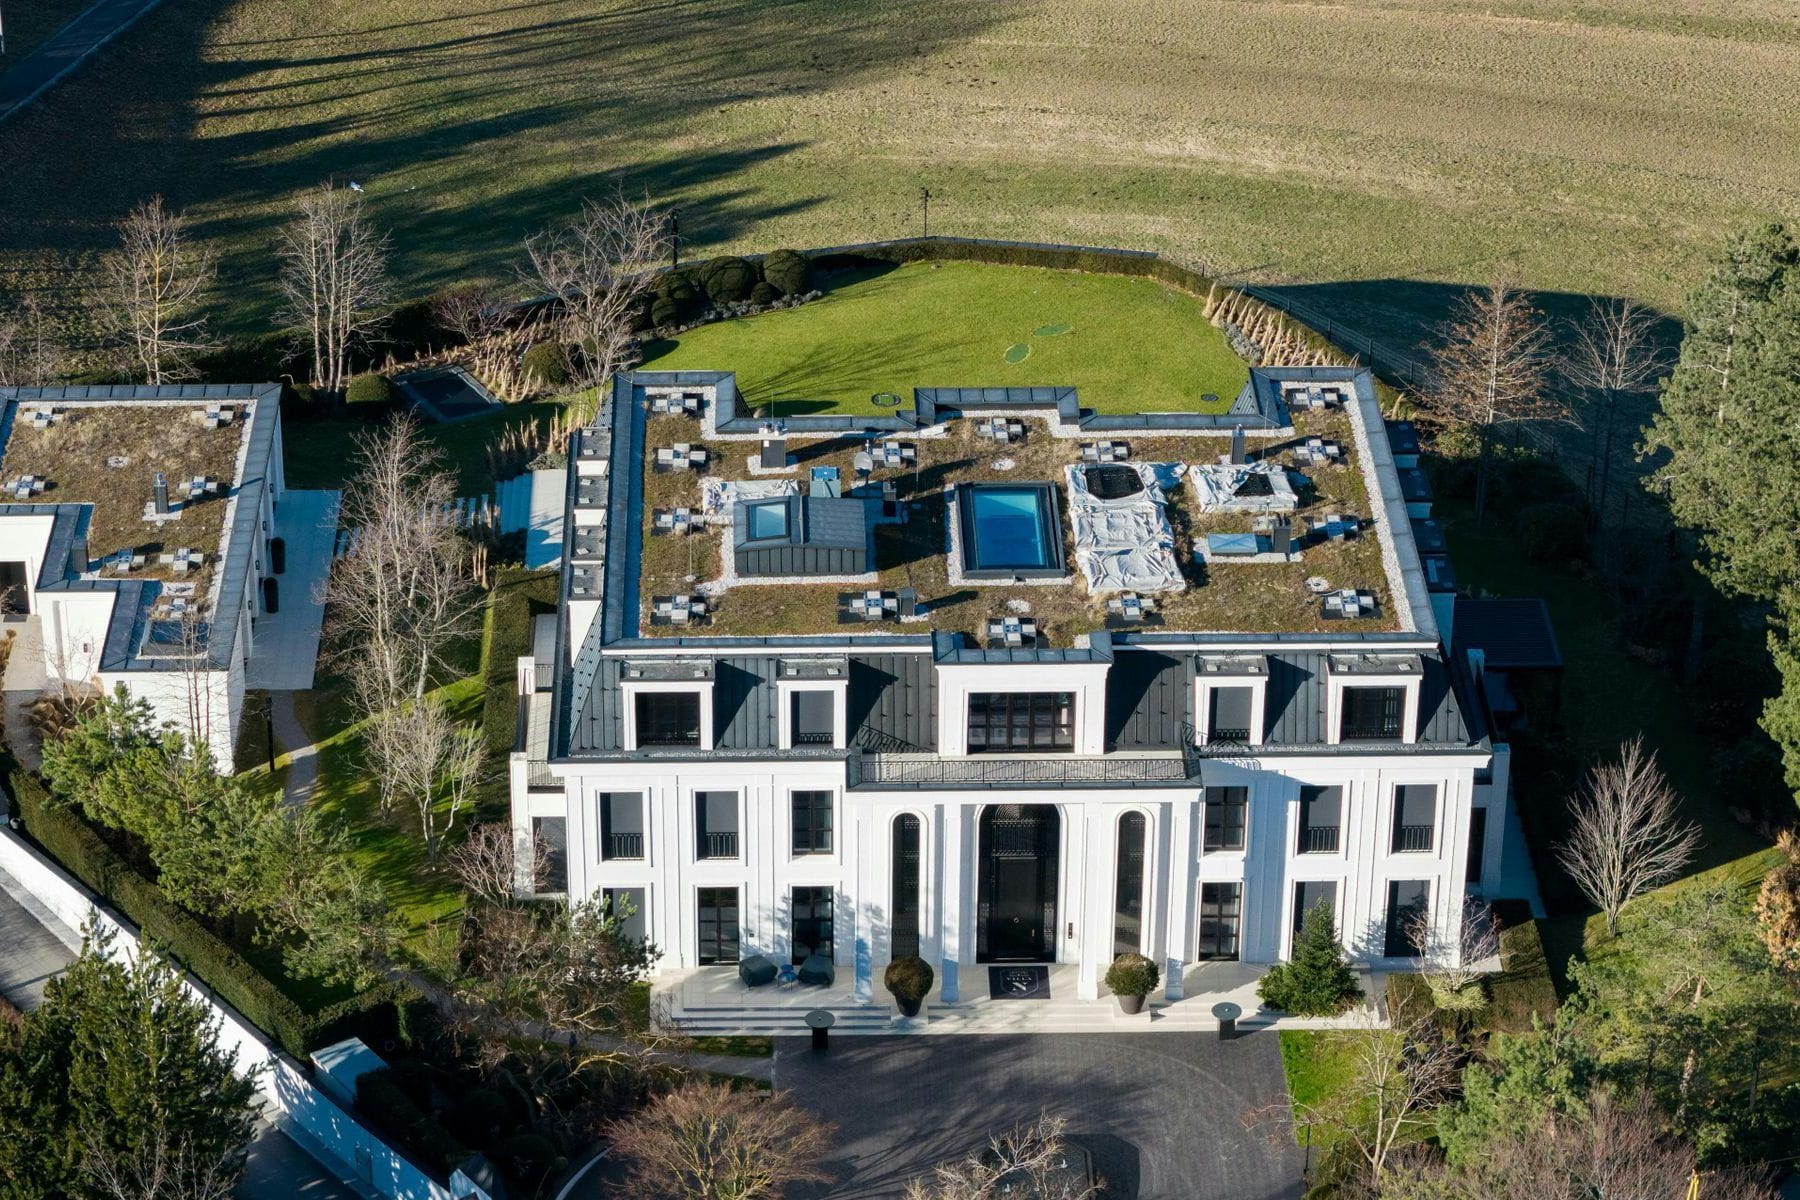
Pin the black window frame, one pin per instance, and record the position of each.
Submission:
(1414, 836)
(1129, 870)
(1045, 720)
(906, 879)
(655, 729)
(1314, 837)
(556, 857)
(809, 835)
(610, 897)
(812, 737)
(1220, 911)
(1326, 893)
(621, 845)
(1474, 863)
(1235, 733)
(709, 843)
(1372, 713)
(1397, 942)
(1218, 822)
(725, 941)
(804, 915)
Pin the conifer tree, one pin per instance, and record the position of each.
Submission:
(1727, 425)
(1316, 980)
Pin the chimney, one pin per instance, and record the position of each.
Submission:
(1280, 534)
(1238, 456)
(78, 554)
(774, 454)
(907, 604)
(159, 488)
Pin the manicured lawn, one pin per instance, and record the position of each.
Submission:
(322, 453)
(1319, 1065)
(1129, 345)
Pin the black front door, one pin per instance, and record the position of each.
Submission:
(718, 913)
(1017, 889)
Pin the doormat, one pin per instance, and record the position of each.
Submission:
(1024, 982)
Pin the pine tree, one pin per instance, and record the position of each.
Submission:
(1727, 424)
(119, 1068)
(1316, 980)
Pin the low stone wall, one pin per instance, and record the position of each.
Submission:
(291, 1102)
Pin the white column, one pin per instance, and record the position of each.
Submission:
(1091, 854)
(950, 870)
(861, 876)
(1180, 892)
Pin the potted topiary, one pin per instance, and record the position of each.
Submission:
(909, 978)
(1132, 977)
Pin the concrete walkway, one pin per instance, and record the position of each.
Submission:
(67, 49)
(292, 739)
(34, 946)
(287, 640)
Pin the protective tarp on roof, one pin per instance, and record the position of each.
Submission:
(719, 496)
(1123, 540)
(1259, 487)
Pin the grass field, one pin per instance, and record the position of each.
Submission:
(30, 24)
(1129, 345)
(1372, 154)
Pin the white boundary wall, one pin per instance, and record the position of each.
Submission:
(291, 1102)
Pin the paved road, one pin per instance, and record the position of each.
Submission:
(67, 49)
(1161, 1114)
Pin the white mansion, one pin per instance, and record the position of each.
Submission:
(991, 678)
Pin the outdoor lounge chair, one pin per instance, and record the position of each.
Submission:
(818, 971)
(756, 971)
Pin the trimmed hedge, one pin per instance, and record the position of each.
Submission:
(79, 849)
(548, 363)
(1524, 987)
(381, 1098)
(785, 271)
(369, 391)
(518, 596)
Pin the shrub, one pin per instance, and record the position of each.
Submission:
(785, 271)
(375, 1015)
(762, 293)
(664, 311)
(298, 399)
(1524, 989)
(529, 1158)
(1132, 975)
(909, 978)
(1316, 981)
(728, 279)
(1552, 535)
(548, 363)
(386, 1104)
(480, 1117)
(369, 391)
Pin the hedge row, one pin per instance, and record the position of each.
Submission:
(1524, 988)
(374, 1014)
(519, 596)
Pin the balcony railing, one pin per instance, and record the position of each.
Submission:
(1319, 839)
(1225, 733)
(1411, 838)
(719, 845)
(991, 770)
(624, 845)
(804, 737)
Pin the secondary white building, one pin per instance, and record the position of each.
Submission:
(928, 699)
(135, 544)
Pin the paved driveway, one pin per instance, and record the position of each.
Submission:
(1160, 1113)
(30, 954)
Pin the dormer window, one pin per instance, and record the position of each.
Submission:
(668, 719)
(667, 704)
(813, 698)
(1229, 696)
(1374, 697)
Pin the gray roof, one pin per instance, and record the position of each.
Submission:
(1513, 635)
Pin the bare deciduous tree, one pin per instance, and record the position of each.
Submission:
(333, 279)
(422, 755)
(705, 1141)
(1450, 958)
(159, 1168)
(1028, 1160)
(1401, 1074)
(1492, 368)
(1617, 1148)
(471, 311)
(1613, 355)
(1626, 836)
(30, 354)
(401, 596)
(156, 282)
(488, 864)
(598, 266)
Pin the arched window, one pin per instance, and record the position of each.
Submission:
(905, 921)
(1128, 893)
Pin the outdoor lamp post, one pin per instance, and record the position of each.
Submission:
(674, 238)
(925, 209)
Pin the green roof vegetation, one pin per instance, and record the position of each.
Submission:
(1128, 345)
